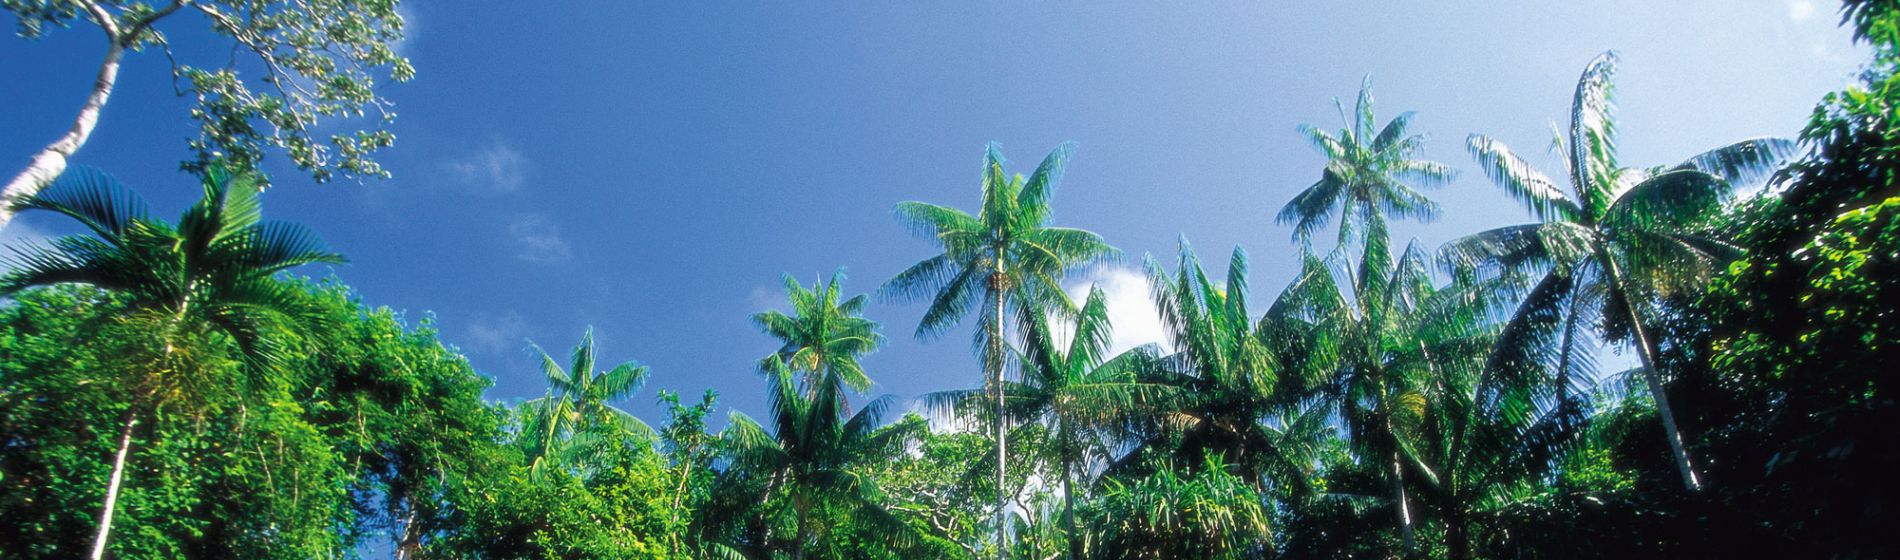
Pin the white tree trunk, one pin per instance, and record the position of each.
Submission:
(1653, 379)
(51, 160)
(1002, 423)
(112, 487)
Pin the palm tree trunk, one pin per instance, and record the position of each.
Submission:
(1653, 378)
(112, 486)
(995, 365)
(1068, 508)
(1404, 511)
(51, 160)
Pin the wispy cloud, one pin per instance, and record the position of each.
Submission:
(497, 332)
(495, 167)
(1130, 311)
(538, 239)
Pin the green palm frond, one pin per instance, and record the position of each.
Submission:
(1745, 163)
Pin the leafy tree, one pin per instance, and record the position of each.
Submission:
(1620, 238)
(822, 335)
(815, 457)
(212, 275)
(1005, 259)
(569, 423)
(317, 60)
(1368, 173)
(1226, 370)
(1380, 337)
(1080, 394)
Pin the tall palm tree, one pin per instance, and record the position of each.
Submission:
(1605, 249)
(1226, 371)
(1005, 259)
(822, 335)
(214, 273)
(1080, 394)
(816, 455)
(1380, 335)
(1367, 173)
(574, 418)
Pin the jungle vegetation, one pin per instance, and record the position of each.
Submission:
(172, 388)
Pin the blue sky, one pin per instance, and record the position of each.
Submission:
(651, 170)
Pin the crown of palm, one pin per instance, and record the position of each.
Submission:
(215, 269)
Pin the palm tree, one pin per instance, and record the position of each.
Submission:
(1620, 237)
(822, 335)
(1077, 392)
(1379, 339)
(214, 273)
(1005, 259)
(816, 456)
(1367, 173)
(1226, 371)
(573, 418)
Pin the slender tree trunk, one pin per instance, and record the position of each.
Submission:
(1404, 510)
(411, 542)
(995, 364)
(51, 160)
(1068, 507)
(1653, 378)
(112, 486)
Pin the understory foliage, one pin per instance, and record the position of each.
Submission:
(1392, 401)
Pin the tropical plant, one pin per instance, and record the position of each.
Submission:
(210, 278)
(569, 423)
(1373, 340)
(1225, 368)
(1368, 173)
(1171, 512)
(1620, 238)
(1005, 259)
(815, 457)
(822, 335)
(1083, 397)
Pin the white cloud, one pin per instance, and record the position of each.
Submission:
(494, 168)
(497, 332)
(539, 239)
(1801, 10)
(1130, 311)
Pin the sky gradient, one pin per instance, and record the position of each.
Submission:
(651, 170)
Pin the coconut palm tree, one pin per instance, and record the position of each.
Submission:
(1080, 395)
(1620, 237)
(1006, 259)
(1380, 331)
(822, 335)
(214, 274)
(816, 456)
(1367, 173)
(574, 418)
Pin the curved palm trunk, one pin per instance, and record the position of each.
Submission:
(51, 160)
(112, 486)
(995, 363)
(1653, 379)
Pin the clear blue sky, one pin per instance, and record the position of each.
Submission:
(651, 170)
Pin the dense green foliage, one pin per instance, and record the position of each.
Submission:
(1391, 401)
